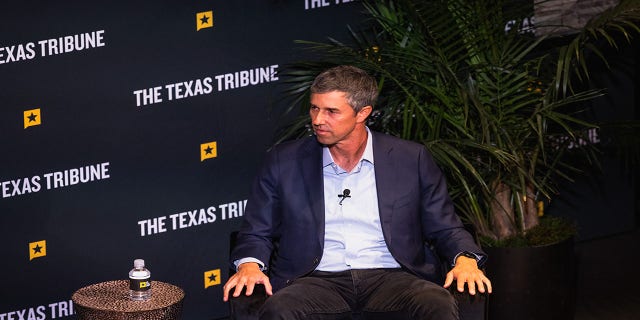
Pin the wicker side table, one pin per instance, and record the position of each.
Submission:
(110, 301)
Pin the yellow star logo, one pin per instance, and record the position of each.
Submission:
(32, 118)
(212, 278)
(208, 150)
(37, 249)
(204, 20)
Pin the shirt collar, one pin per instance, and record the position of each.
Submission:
(367, 155)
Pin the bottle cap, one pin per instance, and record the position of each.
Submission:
(138, 263)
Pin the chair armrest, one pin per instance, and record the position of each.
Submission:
(470, 307)
(246, 307)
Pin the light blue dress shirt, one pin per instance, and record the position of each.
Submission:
(353, 234)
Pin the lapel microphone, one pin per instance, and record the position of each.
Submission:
(345, 194)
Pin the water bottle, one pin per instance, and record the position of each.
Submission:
(139, 281)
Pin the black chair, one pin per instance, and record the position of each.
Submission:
(470, 307)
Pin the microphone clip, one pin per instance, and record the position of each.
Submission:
(345, 194)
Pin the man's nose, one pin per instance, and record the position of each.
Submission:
(317, 118)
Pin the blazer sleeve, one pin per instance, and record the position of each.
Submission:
(441, 225)
(256, 234)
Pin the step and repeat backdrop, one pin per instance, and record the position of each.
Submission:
(132, 129)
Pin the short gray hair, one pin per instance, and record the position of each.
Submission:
(361, 89)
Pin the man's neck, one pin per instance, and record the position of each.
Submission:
(346, 155)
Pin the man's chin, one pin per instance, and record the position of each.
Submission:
(324, 141)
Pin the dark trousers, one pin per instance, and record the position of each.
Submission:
(372, 294)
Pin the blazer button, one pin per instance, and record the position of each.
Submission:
(288, 281)
(316, 261)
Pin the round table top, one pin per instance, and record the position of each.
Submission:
(114, 296)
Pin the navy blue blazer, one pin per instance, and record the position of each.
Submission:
(284, 223)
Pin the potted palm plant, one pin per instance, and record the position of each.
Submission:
(496, 99)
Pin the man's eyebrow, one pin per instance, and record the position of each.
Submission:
(326, 108)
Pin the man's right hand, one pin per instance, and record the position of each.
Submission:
(248, 275)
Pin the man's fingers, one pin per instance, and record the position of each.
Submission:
(472, 287)
(238, 290)
(267, 287)
(483, 284)
(487, 283)
(227, 288)
(246, 278)
(480, 286)
(448, 280)
(460, 284)
(250, 287)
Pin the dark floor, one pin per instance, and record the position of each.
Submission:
(609, 278)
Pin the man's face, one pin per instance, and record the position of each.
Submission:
(332, 117)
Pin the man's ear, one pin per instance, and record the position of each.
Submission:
(364, 113)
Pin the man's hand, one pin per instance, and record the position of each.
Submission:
(466, 271)
(248, 275)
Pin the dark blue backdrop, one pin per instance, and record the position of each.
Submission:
(67, 104)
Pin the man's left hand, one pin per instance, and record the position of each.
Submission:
(466, 271)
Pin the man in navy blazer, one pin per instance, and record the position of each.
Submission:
(370, 248)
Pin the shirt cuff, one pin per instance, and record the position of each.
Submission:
(245, 260)
(469, 255)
